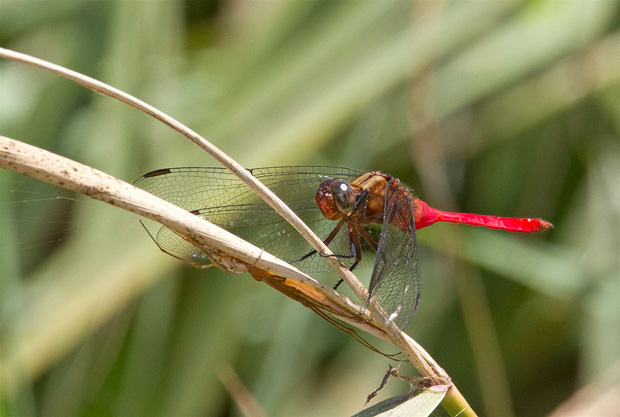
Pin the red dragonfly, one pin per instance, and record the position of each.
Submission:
(372, 211)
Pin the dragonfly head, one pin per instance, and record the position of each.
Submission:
(335, 198)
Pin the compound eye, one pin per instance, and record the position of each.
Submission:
(344, 197)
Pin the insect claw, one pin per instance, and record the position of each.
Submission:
(361, 313)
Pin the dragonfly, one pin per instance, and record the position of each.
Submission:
(357, 213)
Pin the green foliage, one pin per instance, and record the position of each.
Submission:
(508, 108)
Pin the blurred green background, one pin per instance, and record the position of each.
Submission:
(496, 107)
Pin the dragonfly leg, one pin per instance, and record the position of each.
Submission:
(356, 247)
(358, 251)
(306, 256)
(355, 250)
(367, 237)
(371, 241)
(327, 241)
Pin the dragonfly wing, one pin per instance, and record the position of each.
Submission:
(176, 245)
(395, 281)
(220, 197)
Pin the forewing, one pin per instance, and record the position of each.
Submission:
(395, 282)
(220, 197)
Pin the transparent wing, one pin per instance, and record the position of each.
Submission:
(395, 281)
(220, 197)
